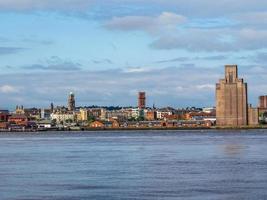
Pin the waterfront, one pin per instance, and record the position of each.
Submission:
(134, 165)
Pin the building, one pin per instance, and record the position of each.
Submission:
(231, 99)
(120, 115)
(96, 113)
(89, 114)
(45, 113)
(71, 102)
(105, 124)
(151, 115)
(63, 117)
(162, 113)
(263, 109)
(52, 107)
(97, 124)
(209, 110)
(253, 116)
(31, 113)
(19, 110)
(18, 119)
(4, 115)
(263, 102)
(134, 113)
(141, 100)
(44, 124)
(232, 102)
(83, 115)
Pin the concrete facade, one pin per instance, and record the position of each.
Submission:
(231, 99)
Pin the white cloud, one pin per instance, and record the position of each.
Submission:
(220, 40)
(178, 87)
(8, 89)
(173, 31)
(163, 19)
(170, 19)
(168, 86)
(252, 19)
(166, 20)
(136, 70)
(206, 87)
(235, 31)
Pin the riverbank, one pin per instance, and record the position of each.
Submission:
(105, 129)
(75, 129)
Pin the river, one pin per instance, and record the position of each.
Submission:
(149, 165)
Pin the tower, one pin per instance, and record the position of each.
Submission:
(141, 100)
(71, 102)
(231, 99)
(52, 107)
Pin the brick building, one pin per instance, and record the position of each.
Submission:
(18, 119)
(151, 115)
(263, 102)
(4, 114)
(141, 100)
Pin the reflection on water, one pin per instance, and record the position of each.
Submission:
(234, 149)
(134, 165)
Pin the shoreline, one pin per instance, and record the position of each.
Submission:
(138, 129)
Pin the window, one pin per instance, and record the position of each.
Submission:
(231, 77)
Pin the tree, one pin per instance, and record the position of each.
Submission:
(91, 119)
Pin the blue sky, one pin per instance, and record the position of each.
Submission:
(107, 51)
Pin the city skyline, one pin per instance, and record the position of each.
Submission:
(151, 101)
(105, 52)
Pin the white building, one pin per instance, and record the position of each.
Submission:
(63, 117)
(209, 110)
(162, 114)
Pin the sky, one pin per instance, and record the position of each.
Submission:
(105, 51)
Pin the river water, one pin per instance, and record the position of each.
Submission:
(149, 165)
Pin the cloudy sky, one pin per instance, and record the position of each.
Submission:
(105, 51)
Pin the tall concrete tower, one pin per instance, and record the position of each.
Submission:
(141, 100)
(71, 102)
(231, 99)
